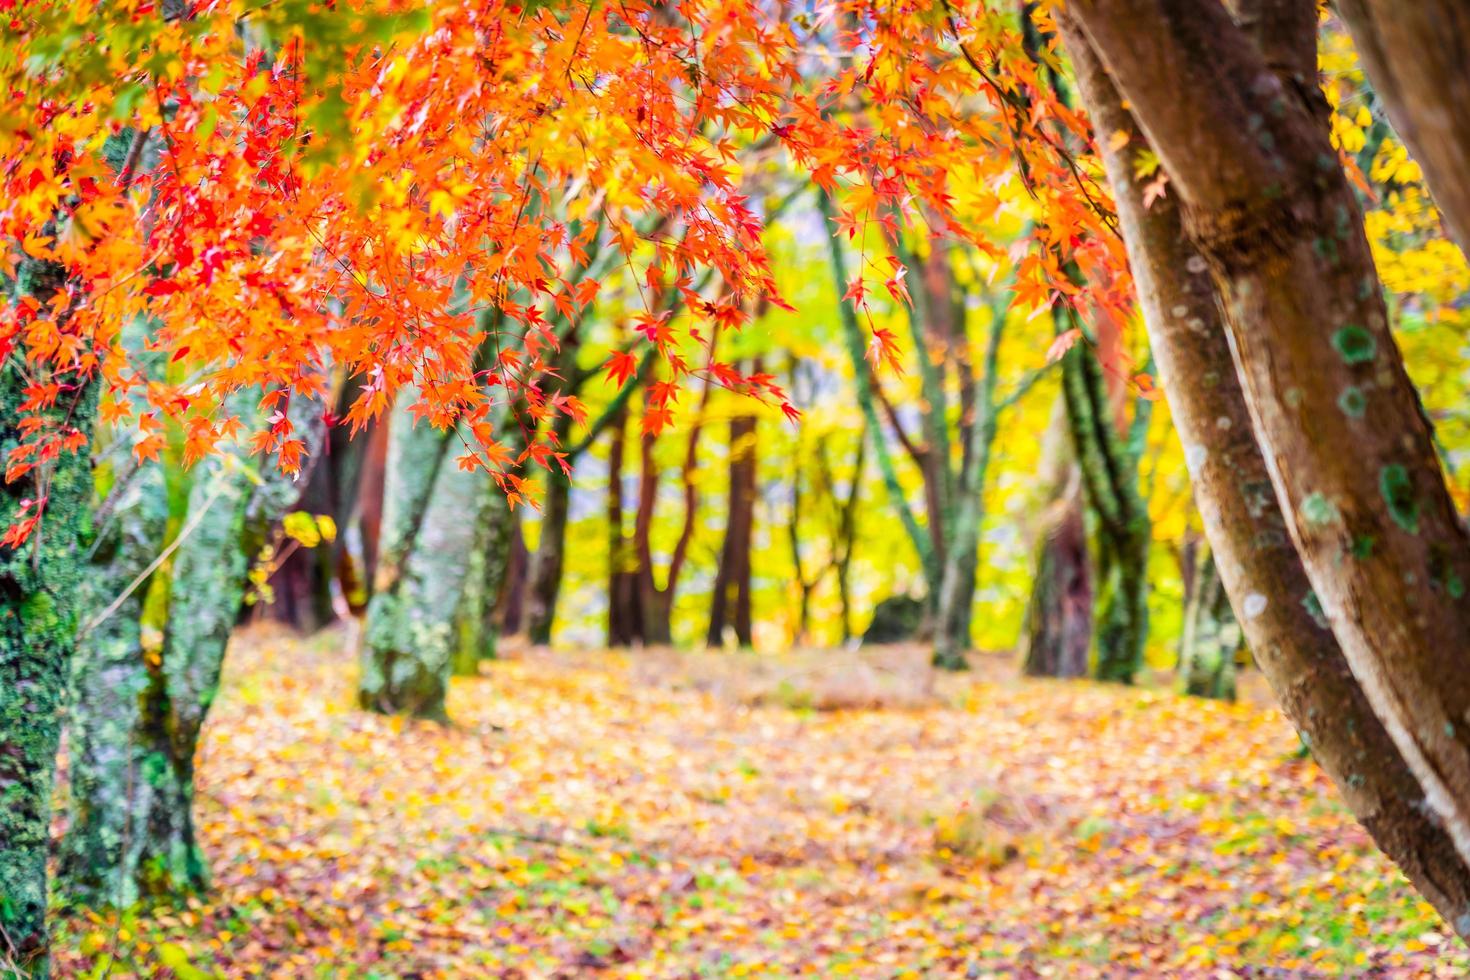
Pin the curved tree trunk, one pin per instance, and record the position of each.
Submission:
(231, 511)
(1351, 455)
(109, 768)
(1262, 573)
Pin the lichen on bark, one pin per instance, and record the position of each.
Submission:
(39, 586)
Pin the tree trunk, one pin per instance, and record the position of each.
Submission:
(544, 568)
(1109, 475)
(415, 457)
(110, 769)
(957, 584)
(499, 528)
(656, 604)
(361, 534)
(411, 631)
(231, 510)
(1417, 55)
(730, 603)
(622, 591)
(39, 586)
(510, 605)
(1263, 574)
(543, 584)
(1351, 454)
(300, 586)
(1056, 634)
(1211, 635)
(853, 340)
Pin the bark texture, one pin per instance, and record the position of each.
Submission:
(39, 587)
(543, 585)
(433, 514)
(109, 769)
(1109, 465)
(1248, 532)
(133, 823)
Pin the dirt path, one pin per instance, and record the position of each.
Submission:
(638, 817)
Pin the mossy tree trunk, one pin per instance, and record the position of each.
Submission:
(1211, 637)
(967, 514)
(1352, 456)
(489, 564)
(855, 344)
(110, 771)
(432, 517)
(235, 502)
(40, 584)
(1109, 466)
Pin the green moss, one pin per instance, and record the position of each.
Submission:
(1313, 606)
(1354, 344)
(1318, 510)
(1353, 402)
(1398, 493)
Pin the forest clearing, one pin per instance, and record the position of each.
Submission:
(718, 488)
(626, 815)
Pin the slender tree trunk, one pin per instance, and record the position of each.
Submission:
(38, 623)
(957, 586)
(1056, 634)
(655, 603)
(500, 526)
(730, 604)
(1109, 475)
(1263, 574)
(543, 584)
(1211, 635)
(510, 606)
(845, 536)
(804, 585)
(622, 595)
(867, 400)
(361, 534)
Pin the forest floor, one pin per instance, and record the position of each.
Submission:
(726, 815)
